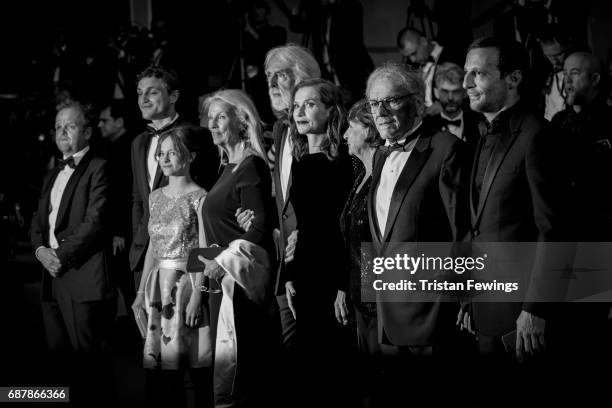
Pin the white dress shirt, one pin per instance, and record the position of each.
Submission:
(554, 100)
(151, 160)
(285, 164)
(59, 185)
(394, 164)
(429, 70)
(455, 130)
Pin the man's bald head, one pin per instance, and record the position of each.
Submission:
(583, 77)
(413, 45)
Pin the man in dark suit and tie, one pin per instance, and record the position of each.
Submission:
(69, 239)
(453, 118)
(516, 195)
(158, 92)
(415, 196)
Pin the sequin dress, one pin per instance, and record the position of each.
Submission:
(173, 230)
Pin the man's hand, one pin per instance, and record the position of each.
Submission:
(290, 293)
(464, 320)
(212, 269)
(48, 258)
(340, 309)
(529, 334)
(245, 218)
(290, 249)
(118, 244)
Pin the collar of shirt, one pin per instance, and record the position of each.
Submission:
(501, 115)
(159, 129)
(78, 155)
(437, 50)
(402, 140)
(458, 117)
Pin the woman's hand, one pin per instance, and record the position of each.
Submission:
(193, 311)
(342, 312)
(139, 305)
(245, 218)
(290, 293)
(212, 269)
(291, 243)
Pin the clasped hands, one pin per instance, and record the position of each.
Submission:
(50, 261)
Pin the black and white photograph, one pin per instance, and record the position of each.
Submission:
(426, 183)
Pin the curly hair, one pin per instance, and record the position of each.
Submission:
(167, 76)
(331, 97)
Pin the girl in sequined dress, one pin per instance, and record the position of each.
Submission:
(178, 332)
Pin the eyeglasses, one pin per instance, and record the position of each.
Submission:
(392, 102)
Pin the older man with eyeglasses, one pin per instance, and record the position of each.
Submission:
(416, 195)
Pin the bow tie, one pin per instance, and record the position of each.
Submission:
(448, 122)
(69, 161)
(394, 147)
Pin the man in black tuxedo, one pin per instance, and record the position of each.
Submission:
(158, 91)
(517, 187)
(415, 196)
(68, 235)
(454, 118)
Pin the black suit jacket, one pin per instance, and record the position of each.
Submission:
(286, 215)
(521, 200)
(80, 232)
(426, 206)
(204, 171)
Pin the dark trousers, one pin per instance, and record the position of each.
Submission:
(168, 388)
(123, 277)
(77, 335)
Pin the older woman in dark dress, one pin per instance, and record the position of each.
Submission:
(245, 336)
(362, 139)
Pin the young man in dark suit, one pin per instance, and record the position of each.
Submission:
(70, 241)
(517, 195)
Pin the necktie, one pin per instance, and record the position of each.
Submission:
(69, 161)
(447, 122)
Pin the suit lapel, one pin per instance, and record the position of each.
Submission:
(377, 165)
(70, 187)
(285, 200)
(45, 208)
(501, 149)
(143, 150)
(412, 168)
